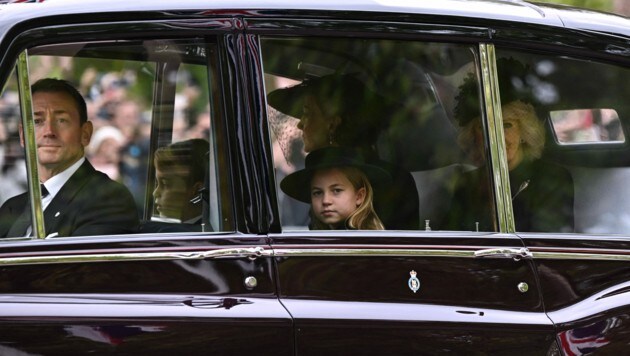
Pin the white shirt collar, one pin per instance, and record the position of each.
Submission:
(56, 182)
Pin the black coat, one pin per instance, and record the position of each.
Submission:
(398, 203)
(542, 199)
(89, 203)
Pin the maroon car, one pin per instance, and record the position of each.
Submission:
(503, 125)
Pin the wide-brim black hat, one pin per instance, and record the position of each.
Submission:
(516, 82)
(364, 112)
(343, 91)
(298, 184)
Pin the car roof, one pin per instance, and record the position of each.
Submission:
(501, 10)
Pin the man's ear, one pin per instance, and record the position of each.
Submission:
(86, 133)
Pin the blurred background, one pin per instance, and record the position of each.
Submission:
(620, 7)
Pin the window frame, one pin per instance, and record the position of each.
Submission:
(124, 31)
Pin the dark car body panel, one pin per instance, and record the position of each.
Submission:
(354, 293)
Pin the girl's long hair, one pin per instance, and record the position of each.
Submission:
(364, 217)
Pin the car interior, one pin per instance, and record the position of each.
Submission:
(172, 82)
(584, 124)
(143, 95)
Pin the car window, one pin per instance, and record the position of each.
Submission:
(397, 105)
(13, 172)
(153, 132)
(586, 126)
(574, 165)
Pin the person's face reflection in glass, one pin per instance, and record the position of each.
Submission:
(172, 192)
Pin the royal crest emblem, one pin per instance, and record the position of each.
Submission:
(414, 282)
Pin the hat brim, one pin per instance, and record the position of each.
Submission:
(297, 185)
(336, 90)
(289, 100)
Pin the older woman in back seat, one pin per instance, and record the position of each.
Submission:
(542, 191)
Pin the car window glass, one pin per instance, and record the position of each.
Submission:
(192, 123)
(13, 166)
(130, 124)
(586, 126)
(569, 127)
(394, 103)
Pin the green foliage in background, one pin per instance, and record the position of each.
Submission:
(602, 5)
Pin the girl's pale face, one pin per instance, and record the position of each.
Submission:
(315, 126)
(333, 197)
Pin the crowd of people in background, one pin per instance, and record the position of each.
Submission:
(122, 124)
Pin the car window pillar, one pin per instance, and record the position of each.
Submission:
(496, 139)
(30, 146)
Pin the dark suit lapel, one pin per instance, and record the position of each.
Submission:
(56, 210)
(11, 211)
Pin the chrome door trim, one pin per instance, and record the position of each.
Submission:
(592, 255)
(240, 252)
(375, 252)
(444, 251)
(475, 252)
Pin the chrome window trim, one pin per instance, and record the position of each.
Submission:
(500, 172)
(30, 146)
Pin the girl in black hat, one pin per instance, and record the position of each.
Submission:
(338, 184)
(340, 110)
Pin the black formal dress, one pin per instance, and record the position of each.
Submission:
(89, 203)
(398, 203)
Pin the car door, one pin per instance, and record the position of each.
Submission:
(431, 289)
(583, 268)
(173, 286)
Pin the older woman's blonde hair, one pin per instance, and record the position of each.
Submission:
(531, 128)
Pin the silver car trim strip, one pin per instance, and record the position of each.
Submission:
(250, 252)
(580, 256)
(256, 252)
(377, 252)
(492, 102)
(425, 252)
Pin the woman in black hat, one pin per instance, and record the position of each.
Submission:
(542, 191)
(339, 110)
(337, 182)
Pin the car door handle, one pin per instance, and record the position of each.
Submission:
(514, 253)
